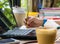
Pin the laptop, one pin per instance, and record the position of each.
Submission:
(18, 33)
(15, 32)
(27, 34)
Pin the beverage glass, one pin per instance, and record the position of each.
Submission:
(46, 36)
(19, 14)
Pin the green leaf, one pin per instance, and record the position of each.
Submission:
(1, 3)
(1, 6)
(6, 4)
(8, 10)
(5, 0)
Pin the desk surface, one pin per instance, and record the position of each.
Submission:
(35, 42)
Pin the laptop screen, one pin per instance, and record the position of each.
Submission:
(7, 20)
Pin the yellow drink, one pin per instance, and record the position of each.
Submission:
(46, 36)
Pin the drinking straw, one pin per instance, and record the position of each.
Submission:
(27, 11)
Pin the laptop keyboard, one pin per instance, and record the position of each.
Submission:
(27, 34)
(18, 32)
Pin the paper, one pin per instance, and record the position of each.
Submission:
(51, 24)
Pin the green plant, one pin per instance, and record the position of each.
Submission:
(4, 5)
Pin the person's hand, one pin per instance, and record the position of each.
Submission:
(33, 22)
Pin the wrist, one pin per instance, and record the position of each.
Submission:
(40, 22)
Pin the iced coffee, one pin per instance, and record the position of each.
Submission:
(46, 36)
(19, 14)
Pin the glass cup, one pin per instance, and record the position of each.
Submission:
(46, 36)
(19, 14)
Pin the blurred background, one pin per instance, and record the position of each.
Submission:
(6, 14)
